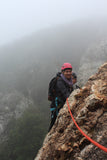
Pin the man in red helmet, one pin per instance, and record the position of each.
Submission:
(63, 89)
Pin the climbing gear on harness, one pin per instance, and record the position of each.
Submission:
(91, 140)
(57, 106)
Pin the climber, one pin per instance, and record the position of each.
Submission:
(63, 88)
(74, 81)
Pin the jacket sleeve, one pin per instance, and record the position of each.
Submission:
(63, 89)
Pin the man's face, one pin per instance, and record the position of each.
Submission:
(74, 80)
(67, 73)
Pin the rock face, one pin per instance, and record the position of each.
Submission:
(89, 108)
(95, 55)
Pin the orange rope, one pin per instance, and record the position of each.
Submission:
(91, 140)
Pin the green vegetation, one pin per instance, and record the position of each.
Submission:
(26, 135)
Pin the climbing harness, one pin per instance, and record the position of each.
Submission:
(55, 108)
(91, 140)
(56, 104)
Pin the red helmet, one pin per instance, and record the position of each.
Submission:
(66, 66)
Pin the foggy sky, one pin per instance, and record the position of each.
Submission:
(23, 17)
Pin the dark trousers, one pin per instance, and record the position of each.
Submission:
(53, 119)
(55, 112)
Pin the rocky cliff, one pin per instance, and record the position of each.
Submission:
(89, 108)
(12, 105)
(95, 56)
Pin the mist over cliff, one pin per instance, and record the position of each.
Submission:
(45, 51)
(27, 66)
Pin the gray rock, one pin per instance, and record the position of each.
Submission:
(94, 57)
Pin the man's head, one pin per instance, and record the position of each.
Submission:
(67, 70)
(74, 78)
